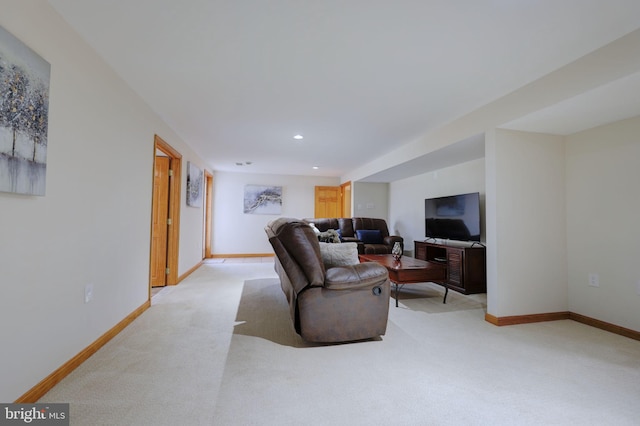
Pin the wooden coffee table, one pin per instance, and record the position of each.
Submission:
(408, 270)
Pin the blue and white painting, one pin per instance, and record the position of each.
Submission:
(194, 185)
(24, 117)
(262, 199)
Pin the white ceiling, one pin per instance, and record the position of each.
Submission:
(237, 79)
(611, 102)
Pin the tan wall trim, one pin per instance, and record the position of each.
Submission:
(554, 316)
(217, 256)
(190, 271)
(35, 393)
(491, 318)
(616, 329)
(526, 319)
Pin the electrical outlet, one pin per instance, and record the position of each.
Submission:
(638, 287)
(88, 293)
(594, 280)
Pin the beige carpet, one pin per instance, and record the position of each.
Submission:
(219, 349)
(437, 364)
(428, 297)
(263, 313)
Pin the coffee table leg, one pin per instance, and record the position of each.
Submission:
(397, 287)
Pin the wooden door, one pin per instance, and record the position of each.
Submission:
(328, 202)
(160, 214)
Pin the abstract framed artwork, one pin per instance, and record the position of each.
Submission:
(194, 185)
(24, 117)
(262, 199)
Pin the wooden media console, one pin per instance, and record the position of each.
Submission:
(466, 265)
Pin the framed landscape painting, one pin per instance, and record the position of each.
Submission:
(24, 117)
(262, 199)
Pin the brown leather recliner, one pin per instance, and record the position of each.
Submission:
(339, 304)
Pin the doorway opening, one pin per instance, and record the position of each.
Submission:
(165, 215)
(208, 199)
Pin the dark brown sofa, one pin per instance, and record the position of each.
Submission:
(338, 304)
(377, 242)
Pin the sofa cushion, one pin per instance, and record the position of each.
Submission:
(371, 223)
(376, 249)
(323, 224)
(345, 225)
(370, 236)
(339, 254)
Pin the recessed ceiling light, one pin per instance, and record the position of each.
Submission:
(298, 137)
(315, 167)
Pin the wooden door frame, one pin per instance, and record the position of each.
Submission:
(173, 235)
(343, 201)
(208, 179)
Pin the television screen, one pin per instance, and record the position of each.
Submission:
(455, 217)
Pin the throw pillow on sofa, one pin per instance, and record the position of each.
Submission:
(339, 254)
(370, 236)
(329, 236)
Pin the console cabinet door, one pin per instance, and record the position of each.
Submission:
(455, 260)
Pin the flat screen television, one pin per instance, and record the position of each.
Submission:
(455, 217)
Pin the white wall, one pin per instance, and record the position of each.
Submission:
(234, 232)
(603, 217)
(191, 243)
(556, 209)
(93, 225)
(370, 200)
(406, 203)
(526, 243)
